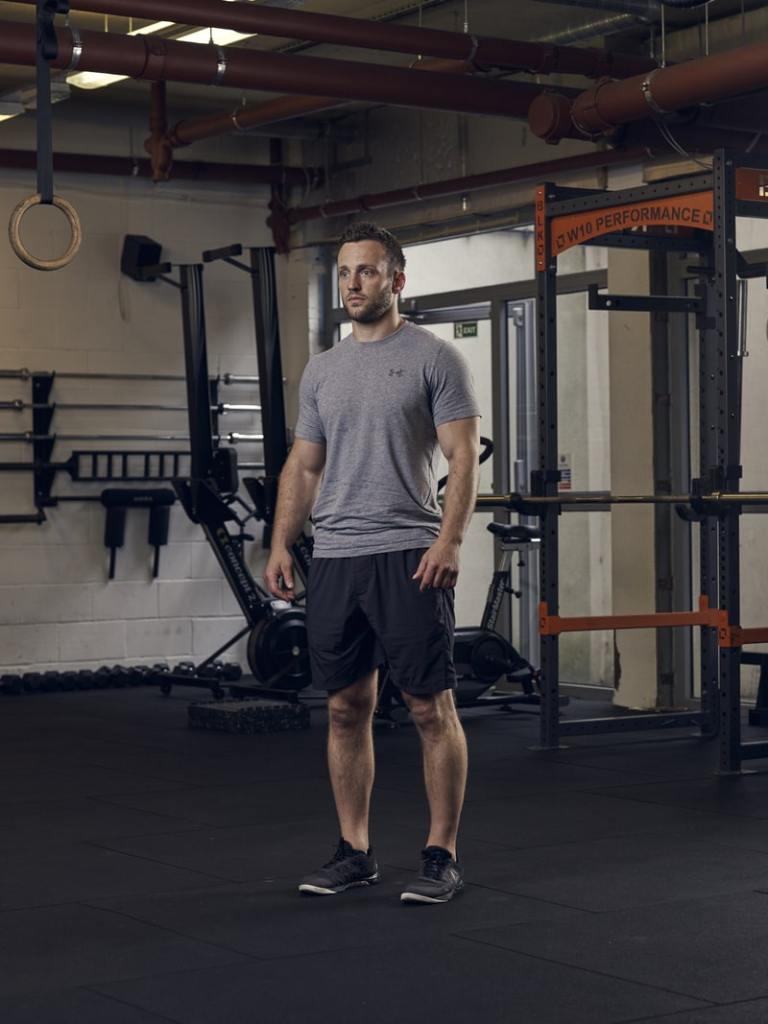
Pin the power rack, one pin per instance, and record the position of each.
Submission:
(689, 215)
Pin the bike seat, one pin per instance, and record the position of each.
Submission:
(515, 532)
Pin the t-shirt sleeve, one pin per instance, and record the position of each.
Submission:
(309, 426)
(453, 389)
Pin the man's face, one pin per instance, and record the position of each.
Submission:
(367, 285)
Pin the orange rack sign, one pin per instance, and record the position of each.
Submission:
(686, 211)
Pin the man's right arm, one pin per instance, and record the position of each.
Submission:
(297, 490)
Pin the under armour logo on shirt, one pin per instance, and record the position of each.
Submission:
(395, 373)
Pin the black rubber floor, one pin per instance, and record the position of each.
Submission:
(149, 874)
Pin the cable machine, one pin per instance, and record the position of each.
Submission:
(277, 646)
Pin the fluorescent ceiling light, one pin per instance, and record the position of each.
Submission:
(217, 36)
(9, 109)
(98, 79)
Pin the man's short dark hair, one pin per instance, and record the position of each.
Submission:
(366, 231)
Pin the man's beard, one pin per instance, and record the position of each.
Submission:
(371, 311)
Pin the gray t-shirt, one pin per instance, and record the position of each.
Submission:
(375, 405)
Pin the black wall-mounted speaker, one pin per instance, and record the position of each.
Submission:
(139, 252)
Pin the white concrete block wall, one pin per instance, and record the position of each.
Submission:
(57, 607)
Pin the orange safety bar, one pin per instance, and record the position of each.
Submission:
(553, 625)
(735, 636)
(728, 636)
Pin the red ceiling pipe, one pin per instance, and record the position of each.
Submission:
(473, 183)
(185, 132)
(155, 59)
(601, 109)
(537, 58)
(187, 170)
(159, 149)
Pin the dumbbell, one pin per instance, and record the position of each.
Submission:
(86, 679)
(50, 681)
(11, 685)
(31, 682)
(67, 680)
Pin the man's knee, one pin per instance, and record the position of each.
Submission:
(353, 706)
(433, 711)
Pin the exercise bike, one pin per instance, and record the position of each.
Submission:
(481, 655)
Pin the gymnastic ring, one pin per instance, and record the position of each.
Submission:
(14, 229)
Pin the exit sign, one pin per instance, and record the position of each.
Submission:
(465, 329)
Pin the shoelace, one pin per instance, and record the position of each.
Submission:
(343, 850)
(434, 862)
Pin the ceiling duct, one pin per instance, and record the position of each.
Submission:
(641, 10)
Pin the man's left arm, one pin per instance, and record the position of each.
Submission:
(459, 441)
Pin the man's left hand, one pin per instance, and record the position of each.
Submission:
(439, 566)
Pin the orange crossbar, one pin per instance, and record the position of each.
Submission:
(735, 636)
(553, 625)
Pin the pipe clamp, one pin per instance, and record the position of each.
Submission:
(221, 66)
(645, 88)
(77, 49)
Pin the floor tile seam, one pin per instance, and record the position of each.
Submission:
(685, 807)
(532, 899)
(130, 1005)
(38, 906)
(708, 1004)
(161, 863)
(244, 960)
(601, 768)
(91, 765)
(613, 910)
(712, 776)
(124, 806)
(326, 950)
(171, 931)
(678, 1013)
(578, 842)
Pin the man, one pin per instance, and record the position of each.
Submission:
(371, 413)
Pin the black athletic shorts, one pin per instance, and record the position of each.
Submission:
(366, 610)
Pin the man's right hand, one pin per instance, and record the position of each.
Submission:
(278, 575)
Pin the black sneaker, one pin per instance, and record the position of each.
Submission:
(347, 869)
(439, 881)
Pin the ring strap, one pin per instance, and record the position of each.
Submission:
(14, 234)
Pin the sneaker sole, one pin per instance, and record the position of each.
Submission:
(317, 890)
(416, 897)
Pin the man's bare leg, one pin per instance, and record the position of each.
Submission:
(350, 756)
(444, 750)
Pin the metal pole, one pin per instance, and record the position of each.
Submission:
(728, 370)
(680, 470)
(501, 428)
(662, 478)
(30, 437)
(25, 374)
(267, 326)
(18, 405)
(527, 458)
(548, 473)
